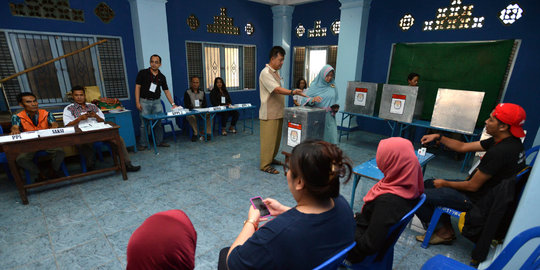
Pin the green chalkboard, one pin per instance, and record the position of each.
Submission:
(474, 66)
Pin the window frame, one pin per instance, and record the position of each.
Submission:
(222, 46)
(61, 65)
(307, 49)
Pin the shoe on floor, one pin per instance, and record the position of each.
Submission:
(223, 132)
(194, 138)
(142, 148)
(131, 168)
(164, 145)
(435, 239)
(232, 130)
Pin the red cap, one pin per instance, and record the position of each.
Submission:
(512, 115)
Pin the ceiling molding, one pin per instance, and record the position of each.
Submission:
(284, 2)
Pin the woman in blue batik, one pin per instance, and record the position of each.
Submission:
(325, 95)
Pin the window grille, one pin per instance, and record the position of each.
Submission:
(194, 60)
(234, 63)
(299, 64)
(7, 68)
(101, 65)
(113, 72)
(249, 67)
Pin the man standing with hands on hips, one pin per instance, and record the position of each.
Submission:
(272, 96)
(148, 86)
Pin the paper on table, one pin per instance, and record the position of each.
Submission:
(94, 126)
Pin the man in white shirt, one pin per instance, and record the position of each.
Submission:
(271, 111)
(81, 113)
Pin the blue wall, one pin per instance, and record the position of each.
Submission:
(120, 26)
(242, 12)
(383, 31)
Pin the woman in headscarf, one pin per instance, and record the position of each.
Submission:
(325, 95)
(165, 240)
(388, 200)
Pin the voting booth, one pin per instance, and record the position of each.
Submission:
(361, 97)
(457, 110)
(300, 124)
(398, 102)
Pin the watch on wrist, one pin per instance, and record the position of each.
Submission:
(292, 93)
(172, 104)
(439, 138)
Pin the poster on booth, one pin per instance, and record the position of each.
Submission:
(360, 96)
(294, 134)
(398, 104)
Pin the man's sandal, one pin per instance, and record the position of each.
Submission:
(270, 170)
(277, 162)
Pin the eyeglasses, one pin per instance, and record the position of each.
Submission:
(286, 165)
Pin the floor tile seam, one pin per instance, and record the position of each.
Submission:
(49, 236)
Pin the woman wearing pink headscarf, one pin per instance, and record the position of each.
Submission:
(388, 200)
(165, 240)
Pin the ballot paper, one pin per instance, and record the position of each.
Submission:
(94, 126)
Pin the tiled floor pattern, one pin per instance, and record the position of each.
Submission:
(86, 224)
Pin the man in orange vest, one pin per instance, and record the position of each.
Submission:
(31, 118)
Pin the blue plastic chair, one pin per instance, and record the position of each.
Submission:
(3, 160)
(42, 154)
(529, 152)
(335, 261)
(456, 213)
(98, 148)
(533, 262)
(169, 122)
(385, 260)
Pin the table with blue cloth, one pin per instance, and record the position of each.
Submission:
(370, 170)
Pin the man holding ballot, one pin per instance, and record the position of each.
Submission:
(32, 118)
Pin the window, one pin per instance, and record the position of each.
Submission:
(102, 65)
(234, 63)
(308, 61)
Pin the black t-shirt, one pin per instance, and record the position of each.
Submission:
(502, 160)
(145, 78)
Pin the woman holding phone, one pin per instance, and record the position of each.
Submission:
(304, 236)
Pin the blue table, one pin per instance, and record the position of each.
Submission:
(370, 170)
(469, 137)
(344, 115)
(151, 120)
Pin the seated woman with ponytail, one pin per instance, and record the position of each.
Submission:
(388, 200)
(304, 236)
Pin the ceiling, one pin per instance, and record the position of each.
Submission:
(284, 2)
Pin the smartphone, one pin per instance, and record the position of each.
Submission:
(258, 203)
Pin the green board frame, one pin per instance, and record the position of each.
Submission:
(474, 66)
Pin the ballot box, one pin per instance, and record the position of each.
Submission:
(361, 97)
(457, 110)
(398, 102)
(300, 124)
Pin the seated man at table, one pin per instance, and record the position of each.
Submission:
(195, 98)
(31, 118)
(504, 158)
(80, 112)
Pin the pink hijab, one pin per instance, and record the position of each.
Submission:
(165, 240)
(402, 173)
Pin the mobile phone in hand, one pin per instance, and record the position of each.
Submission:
(258, 203)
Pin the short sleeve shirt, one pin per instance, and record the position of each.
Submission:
(502, 160)
(74, 111)
(145, 78)
(294, 240)
(272, 103)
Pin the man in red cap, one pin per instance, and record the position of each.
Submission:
(504, 158)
